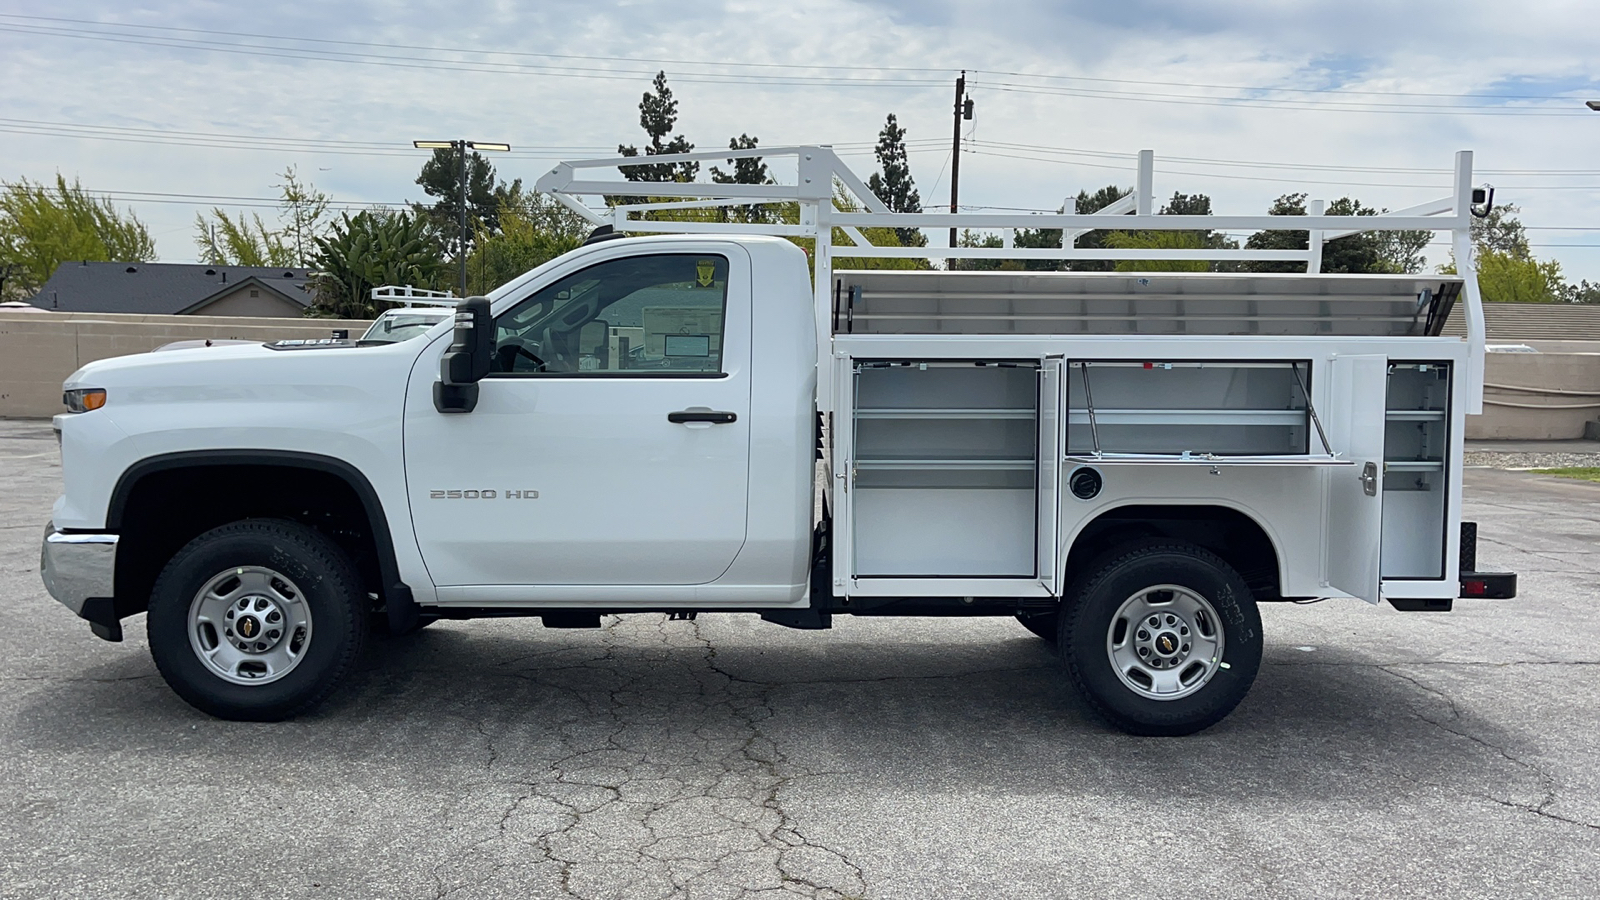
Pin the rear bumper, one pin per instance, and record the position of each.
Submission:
(80, 571)
(1481, 585)
(1488, 585)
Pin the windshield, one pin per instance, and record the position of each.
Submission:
(403, 327)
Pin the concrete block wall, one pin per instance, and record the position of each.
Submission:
(1547, 395)
(38, 350)
(1532, 396)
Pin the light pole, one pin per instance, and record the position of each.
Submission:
(461, 148)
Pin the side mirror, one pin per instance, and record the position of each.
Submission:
(467, 360)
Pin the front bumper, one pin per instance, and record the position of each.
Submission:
(79, 570)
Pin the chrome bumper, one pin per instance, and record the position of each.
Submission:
(78, 567)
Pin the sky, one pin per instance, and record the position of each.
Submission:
(172, 108)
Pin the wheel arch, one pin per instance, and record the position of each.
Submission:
(342, 490)
(1233, 533)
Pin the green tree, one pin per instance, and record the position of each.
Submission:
(1583, 292)
(1050, 238)
(302, 211)
(1162, 240)
(894, 184)
(747, 170)
(245, 241)
(371, 249)
(1501, 232)
(1086, 203)
(1198, 205)
(1508, 278)
(1507, 269)
(658, 114)
(876, 236)
(1382, 252)
(533, 230)
(441, 178)
(41, 228)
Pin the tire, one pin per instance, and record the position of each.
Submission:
(291, 612)
(1202, 652)
(1044, 624)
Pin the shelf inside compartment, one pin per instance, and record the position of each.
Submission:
(905, 413)
(1225, 408)
(1416, 439)
(1026, 465)
(1105, 417)
(1413, 465)
(945, 470)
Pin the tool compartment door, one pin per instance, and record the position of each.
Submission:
(1353, 532)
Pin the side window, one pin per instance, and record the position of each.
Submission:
(638, 315)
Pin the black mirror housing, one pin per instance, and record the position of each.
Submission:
(467, 360)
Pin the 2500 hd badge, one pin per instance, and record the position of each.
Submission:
(483, 495)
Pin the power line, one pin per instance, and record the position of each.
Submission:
(64, 26)
(1258, 164)
(217, 140)
(1293, 90)
(1276, 180)
(1265, 103)
(478, 51)
(483, 67)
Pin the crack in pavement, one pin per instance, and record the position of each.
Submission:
(616, 799)
(1547, 782)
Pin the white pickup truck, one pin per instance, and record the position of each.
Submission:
(1127, 463)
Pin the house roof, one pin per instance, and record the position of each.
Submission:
(159, 288)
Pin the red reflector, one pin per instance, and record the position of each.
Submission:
(1149, 365)
(1474, 587)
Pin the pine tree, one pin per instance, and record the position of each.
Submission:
(441, 178)
(746, 170)
(658, 113)
(749, 170)
(895, 186)
(1369, 251)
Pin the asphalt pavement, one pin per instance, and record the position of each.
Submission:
(1380, 753)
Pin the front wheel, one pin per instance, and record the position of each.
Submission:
(256, 620)
(1162, 639)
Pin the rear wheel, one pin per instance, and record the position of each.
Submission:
(256, 620)
(1162, 639)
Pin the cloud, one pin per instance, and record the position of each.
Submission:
(325, 101)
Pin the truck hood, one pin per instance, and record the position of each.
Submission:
(244, 364)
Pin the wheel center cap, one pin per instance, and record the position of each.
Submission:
(249, 627)
(1166, 643)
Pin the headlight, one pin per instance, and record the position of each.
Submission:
(84, 399)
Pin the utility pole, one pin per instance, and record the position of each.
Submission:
(963, 112)
(461, 147)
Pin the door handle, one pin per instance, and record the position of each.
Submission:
(712, 417)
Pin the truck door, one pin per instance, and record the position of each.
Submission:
(1354, 530)
(591, 460)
